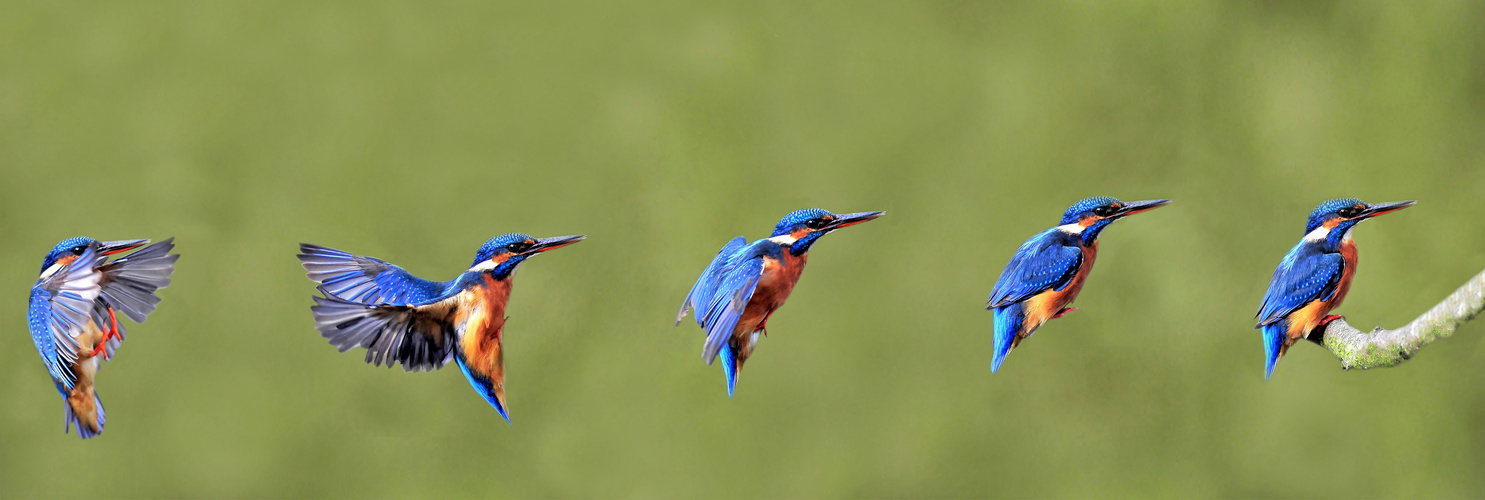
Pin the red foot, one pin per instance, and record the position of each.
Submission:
(1329, 319)
(1064, 311)
(112, 333)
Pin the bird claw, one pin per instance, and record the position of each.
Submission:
(1328, 319)
(1064, 311)
(112, 333)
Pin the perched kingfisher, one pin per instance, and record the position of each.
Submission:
(746, 283)
(1048, 271)
(73, 314)
(400, 318)
(1314, 276)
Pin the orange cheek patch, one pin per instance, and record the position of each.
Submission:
(64, 261)
(799, 234)
(1331, 223)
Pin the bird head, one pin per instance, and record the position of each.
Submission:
(1089, 216)
(503, 253)
(801, 228)
(69, 250)
(1333, 219)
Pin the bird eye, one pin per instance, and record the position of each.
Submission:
(516, 247)
(1103, 211)
(1349, 212)
(78, 249)
(815, 223)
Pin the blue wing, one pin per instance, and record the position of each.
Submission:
(365, 279)
(1047, 261)
(1306, 274)
(723, 291)
(708, 280)
(59, 311)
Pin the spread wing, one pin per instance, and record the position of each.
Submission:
(1045, 262)
(365, 279)
(59, 312)
(129, 283)
(1305, 275)
(420, 337)
(723, 291)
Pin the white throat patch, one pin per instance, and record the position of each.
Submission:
(487, 265)
(50, 271)
(784, 239)
(1319, 234)
(1073, 228)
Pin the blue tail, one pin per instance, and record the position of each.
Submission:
(729, 367)
(1274, 336)
(1008, 321)
(483, 386)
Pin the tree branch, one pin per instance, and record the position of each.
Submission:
(1385, 348)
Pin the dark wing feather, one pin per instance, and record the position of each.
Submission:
(365, 279)
(129, 283)
(1305, 275)
(1048, 261)
(420, 337)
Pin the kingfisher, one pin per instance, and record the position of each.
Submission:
(1048, 271)
(746, 283)
(1314, 276)
(73, 314)
(422, 325)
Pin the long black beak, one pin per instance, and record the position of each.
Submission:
(1385, 208)
(1135, 207)
(847, 220)
(113, 247)
(546, 244)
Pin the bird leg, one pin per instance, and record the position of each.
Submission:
(763, 325)
(1064, 311)
(1318, 334)
(113, 332)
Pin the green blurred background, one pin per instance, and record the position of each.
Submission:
(413, 132)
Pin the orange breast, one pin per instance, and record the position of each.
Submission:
(778, 280)
(1042, 307)
(1304, 320)
(481, 311)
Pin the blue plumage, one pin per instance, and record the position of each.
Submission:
(59, 311)
(1047, 261)
(722, 293)
(1329, 209)
(1009, 320)
(72, 314)
(1307, 273)
(1314, 275)
(369, 280)
(1046, 273)
(421, 324)
(724, 296)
